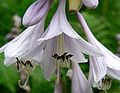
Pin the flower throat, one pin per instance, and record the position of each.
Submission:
(62, 58)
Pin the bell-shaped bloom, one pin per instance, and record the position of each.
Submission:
(36, 12)
(108, 64)
(63, 42)
(79, 81)
(90, 3)
(23, 44)
(17, 51)
(63, 48)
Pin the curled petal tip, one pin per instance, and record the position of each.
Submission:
(91, 3)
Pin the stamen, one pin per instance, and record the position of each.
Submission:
(18, 64)
(58, 75)
(104, 84)
(63, 60)
(25, 67)
(21, 65)
(24, 85)
(68, 56)
(55, 56)
(29, 63)
(63, 56)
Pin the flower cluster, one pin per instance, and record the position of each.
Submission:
(59, 46)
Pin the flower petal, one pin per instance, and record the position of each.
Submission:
(54, 26)
(3, 48)
(9, 61)
(16, 46)
(24, 43)
(69, 31)
(53, 29)
(38, 57)
(66, 27)
(90, 3)
(99, 69)
(85, 47)
(27, 42)
(47, 63)
(59, 24)
(58, 88)
(63, 23)
(74, 49)
(90, 77)
(111, 60)
(36, 12)
(35, 51)
(79, 81)
(114, 73)
(24, 35)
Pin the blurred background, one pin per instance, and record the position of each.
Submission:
(103, 21)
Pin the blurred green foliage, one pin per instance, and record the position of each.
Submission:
(103, 21)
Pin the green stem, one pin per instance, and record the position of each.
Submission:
(105, 91)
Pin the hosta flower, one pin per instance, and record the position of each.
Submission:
(62, 41)
(63, 45)
(108, 64)
(16, 52)
(23, 44)
(90, 3)
(36, 12)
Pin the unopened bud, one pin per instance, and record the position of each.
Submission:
(90, 3)
(74, 5)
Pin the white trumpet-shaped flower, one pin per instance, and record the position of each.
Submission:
(108, 64)
(17, 51)
(61, 41)
(36, 12)
(90, 3)
(63, 46)
(23, 44)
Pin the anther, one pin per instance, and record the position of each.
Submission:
(55, 56)
(29, 63)
(18, 64)
(63, 60)
(104, 84)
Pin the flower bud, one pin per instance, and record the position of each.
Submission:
(74, 5)
(90, 3)
(36, 12)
